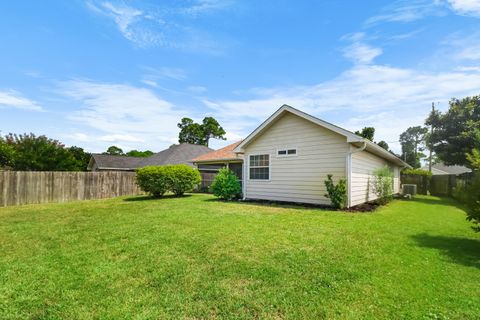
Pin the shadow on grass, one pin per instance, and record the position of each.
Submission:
(459, 250)
(443, 201)
(272, 204)
(147, 198)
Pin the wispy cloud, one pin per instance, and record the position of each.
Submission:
(388, 98)
(462, 46)
(123, 113)
(204, 6)
(161, 26)
(14, 99)
(408, 11)
(153, 75)
(358, 51)
(466, 7)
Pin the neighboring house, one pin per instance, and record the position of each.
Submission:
(176, 154)
(442, 169)
(288, 158)
(208, 164)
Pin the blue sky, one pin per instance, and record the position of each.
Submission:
(100, 73)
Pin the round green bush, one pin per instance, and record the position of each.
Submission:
(182, 178)
(226, 185)
(153, 180)
(178, 179)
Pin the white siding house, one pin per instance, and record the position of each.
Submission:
(288, 158)
(296, 177)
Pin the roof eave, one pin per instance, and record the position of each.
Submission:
(381, 152)
(287, 108)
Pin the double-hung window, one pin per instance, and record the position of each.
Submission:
(259, 167)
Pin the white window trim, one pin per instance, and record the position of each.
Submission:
(269, 167)
(287, 155)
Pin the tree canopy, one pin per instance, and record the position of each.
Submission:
(137, 153)
(456, 132)
(114, 151)
(367, 133)
(413, 145)
(39, 153)
(384, 145)
(196, 133)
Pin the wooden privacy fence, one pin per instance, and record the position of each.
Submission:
(28, 187)
(422, 182)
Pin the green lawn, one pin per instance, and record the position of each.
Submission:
(196, 258)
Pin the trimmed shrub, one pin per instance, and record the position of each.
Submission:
(226, 185)
(182, 178)
(383, 184)
(337, 193)
(178, 179)
(417, 172)
(153, 180)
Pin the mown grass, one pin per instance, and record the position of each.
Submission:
(197, 258)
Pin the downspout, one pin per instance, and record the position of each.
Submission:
(349, 172)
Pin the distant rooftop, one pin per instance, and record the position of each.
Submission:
(176, 154)
(225, 153)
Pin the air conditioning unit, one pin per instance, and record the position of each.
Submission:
(410, 189)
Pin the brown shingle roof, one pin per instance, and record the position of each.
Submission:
(225, 153)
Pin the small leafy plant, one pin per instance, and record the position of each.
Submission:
(226, 185)
(337, 193)
(383, 184)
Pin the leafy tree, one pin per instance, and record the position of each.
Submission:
(114, 151)
(82, 157)
(367, 133)
(212, 129)
(41, 154)
(195, 133)
(472, 197)
(136, 153)
(456, 132)
(384, 145)
(7, 154)
(474, 159)
(413, 145)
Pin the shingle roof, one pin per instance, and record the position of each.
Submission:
(444, 169)
(107, 161)
(225, 153)
(176, 154)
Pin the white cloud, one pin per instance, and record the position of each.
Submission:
(161, 26)
(153, 75)
(360, 52)
(391, 99)
(124, 114)
(197, 89)
(205, 6)
(120, 137)
(408, 11)
(466, 7)
(14, 99)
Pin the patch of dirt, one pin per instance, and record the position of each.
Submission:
(364, 207)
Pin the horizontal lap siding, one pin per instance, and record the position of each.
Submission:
(297, 178)
(363, 166)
